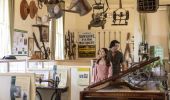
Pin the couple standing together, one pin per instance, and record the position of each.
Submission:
(109, 63)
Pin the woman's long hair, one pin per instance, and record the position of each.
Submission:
(107, 60)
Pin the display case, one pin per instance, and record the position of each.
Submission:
(42, 68)
(13, 66)
(25, 65)
(40, 64)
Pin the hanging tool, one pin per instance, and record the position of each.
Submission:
(120, 40)
(104, 39)
(73, 47)
(120, 16)
(128, 50)
(45, 53)
(99, 39)
(99, 14)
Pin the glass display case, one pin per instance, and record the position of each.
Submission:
(12, 66)
(25, 65)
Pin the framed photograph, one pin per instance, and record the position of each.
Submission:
(38, 54)
(20, 43)
(30, 46)
(45, 34)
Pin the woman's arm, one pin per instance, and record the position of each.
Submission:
(110, 70)
(95, 72)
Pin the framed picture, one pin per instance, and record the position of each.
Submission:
(30, 46)
(38, 54)
(45, 34)
(86, 45)
(20, 43)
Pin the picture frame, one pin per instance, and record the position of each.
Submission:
(38, 54)
(20, 43)
(30, 46)
(44, 37)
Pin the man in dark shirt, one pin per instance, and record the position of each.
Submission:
(116, 57)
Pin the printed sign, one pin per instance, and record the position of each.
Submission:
(83, 76)
(87, 45)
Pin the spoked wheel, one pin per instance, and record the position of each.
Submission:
(38, 95)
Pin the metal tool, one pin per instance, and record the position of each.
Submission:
(99, 39)
(120, 15)
(120, 40)
(99, 14)
(104, 39)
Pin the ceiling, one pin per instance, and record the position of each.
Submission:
(127, 1)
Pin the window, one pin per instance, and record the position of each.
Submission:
(4, 29)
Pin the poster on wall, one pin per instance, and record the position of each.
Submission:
(19, 46)
(83, 76)
(87, 45)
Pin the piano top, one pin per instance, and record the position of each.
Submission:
(126, 90)
(104, 83)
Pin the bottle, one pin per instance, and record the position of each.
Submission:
(139, 50)
(146, 47)
(142, 48)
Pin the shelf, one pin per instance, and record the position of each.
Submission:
(11, 60)
(40, 25)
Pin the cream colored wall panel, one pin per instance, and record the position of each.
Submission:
(158, 30)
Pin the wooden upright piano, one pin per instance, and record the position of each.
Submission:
(114, 88)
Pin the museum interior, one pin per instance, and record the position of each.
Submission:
(84, 49)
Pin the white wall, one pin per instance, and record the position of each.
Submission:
(157, 33)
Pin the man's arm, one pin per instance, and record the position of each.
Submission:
(124, 67)
(123, 63)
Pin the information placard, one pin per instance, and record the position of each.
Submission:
(87, 45)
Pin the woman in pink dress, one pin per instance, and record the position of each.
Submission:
(102, 69)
